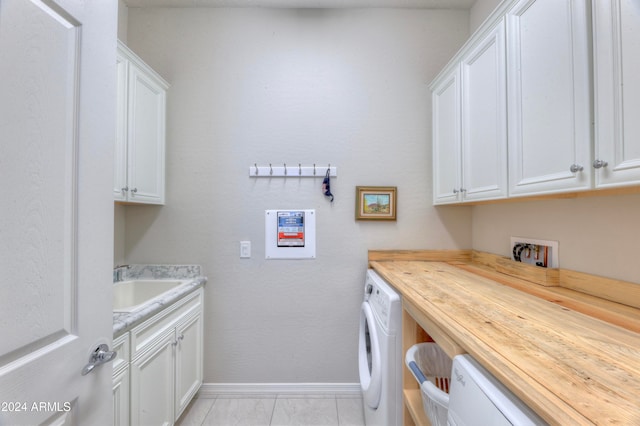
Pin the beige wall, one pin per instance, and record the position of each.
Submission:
(123, 21)
(597, 235)
(346, 87)
(480, 11)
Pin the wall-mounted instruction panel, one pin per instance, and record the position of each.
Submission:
(290, 234)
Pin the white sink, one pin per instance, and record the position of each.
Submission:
(129, 295)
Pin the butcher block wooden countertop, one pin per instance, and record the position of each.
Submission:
(572, 356)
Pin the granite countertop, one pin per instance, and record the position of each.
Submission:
(191, 274)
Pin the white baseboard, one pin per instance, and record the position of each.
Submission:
(273, 390)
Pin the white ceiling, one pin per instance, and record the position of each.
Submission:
(420, 4)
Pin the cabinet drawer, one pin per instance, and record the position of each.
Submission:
(157, 325)
(122, 347)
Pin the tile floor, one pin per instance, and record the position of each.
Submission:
(274, 411)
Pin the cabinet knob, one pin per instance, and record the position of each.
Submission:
(455, 191)
(597, 164)
(125, 189)
(134, 190)
(463, 190)
(178, 340)
(575, 168)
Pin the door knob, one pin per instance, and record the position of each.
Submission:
(100, 355)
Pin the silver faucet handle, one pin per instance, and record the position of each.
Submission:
(117, 270)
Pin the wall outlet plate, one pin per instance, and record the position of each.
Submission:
(542, 253)
(245, 249)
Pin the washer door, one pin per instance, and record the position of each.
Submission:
(369, 358)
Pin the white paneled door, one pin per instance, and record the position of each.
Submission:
(57, 122)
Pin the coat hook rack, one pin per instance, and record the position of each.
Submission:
(315, 170)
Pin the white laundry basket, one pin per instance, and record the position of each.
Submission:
(431, 367)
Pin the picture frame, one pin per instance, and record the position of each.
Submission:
(376, 202)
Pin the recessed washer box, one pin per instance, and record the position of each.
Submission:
(290, 234)
(535, 251)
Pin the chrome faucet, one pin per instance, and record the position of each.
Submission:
(117, 272)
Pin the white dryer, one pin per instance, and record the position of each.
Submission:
(380, 353)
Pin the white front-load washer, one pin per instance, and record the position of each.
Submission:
(380, 353)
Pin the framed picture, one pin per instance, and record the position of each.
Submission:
(376, 202)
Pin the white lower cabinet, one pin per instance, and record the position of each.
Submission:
(121, 381)
(165, 365)
(152, 384)
(189, 362)
(121, 398)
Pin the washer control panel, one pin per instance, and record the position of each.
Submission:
(383, 299)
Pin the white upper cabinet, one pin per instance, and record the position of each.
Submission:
(617, 92)
(549, 103)
(469, 124)
(568, 70)
(446, 138)
(484, 119)
(139, 175)
(120, 188)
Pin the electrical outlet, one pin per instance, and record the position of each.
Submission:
(542, 253)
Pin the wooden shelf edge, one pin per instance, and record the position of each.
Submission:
(413, 402)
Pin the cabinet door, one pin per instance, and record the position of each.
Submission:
(484, 115)
(121, 398)
(120, 151)
(188, 361)
(617, 91)
(146, 137)
(549, 124)
(446, 139)
(152, 384)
